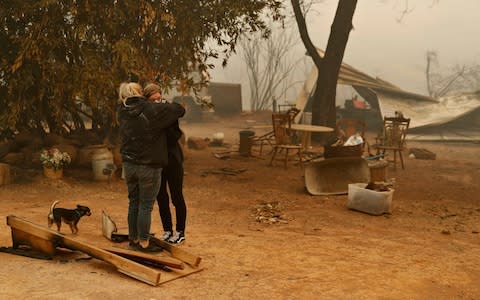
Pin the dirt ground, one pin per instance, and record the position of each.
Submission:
(428, 248)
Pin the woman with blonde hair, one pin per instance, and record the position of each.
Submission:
(144, 153)
(172, 175)
(129, 89)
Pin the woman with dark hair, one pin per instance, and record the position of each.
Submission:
(172, 175)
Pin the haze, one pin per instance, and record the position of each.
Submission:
(395, 51)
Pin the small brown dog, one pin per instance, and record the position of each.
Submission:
(68, 216)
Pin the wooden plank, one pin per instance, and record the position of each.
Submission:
(175, 273)
(26, 252)
(164, 260)
(177, 252)
(22, 238)
(123, 265)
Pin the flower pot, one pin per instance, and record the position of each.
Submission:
(52, 173)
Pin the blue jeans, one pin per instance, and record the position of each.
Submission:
(143, 184)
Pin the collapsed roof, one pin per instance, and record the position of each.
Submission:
(447, 118)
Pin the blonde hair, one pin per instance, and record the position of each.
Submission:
(129, 89)
(151, 89)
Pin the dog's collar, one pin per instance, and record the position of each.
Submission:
(78, 213)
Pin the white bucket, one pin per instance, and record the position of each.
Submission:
(369, 201)
(102, 163)
(84, 155)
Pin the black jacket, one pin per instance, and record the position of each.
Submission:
(143, 130)
(174, 133)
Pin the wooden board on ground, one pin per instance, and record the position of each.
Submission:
(175, 251)
(110, 232)
(38, 237)
(160, 259)
(176, 273)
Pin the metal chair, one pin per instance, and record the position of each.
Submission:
(281, 123)
(392, 138)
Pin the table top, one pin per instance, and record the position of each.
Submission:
(262, 126)
(311, 128)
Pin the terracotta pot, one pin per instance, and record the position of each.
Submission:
(51, 173)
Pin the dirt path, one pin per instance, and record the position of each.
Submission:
(428, 248)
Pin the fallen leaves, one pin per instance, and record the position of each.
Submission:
(270, 213)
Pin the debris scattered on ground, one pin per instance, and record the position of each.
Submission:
(381, 186)
(223, 171)
(222, 155)
(421, 153)
(270, 213)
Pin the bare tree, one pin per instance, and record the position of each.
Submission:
(270, 66)
(431, 58)
(460, 78)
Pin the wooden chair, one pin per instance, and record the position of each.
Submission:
(283, 108)
(269, 137)
(281, 123)
(264, 139)
(392, 138)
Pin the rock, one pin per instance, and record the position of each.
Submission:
(4, 148)
(14, 158)
(25, 138)
(53, 139)
(31, 155)
(197, 143)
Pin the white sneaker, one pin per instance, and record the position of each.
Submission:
(166, 236)
(177, 238)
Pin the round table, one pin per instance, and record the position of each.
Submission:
(310, 128)
(307, 130)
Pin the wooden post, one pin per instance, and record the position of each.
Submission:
(5, 177)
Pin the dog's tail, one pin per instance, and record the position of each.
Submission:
(53, 206)
(50, 214)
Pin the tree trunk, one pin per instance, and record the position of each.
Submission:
(323, 98)
(323, 107)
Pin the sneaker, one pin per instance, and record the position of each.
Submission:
(177, 238)
(132, 245)
(150, 248)
(166, 235)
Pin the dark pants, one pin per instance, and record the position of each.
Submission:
(143, 183)
(172, 175)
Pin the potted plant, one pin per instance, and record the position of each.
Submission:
(53, 162)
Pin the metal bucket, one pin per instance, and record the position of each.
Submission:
(245, 147)
(102, 159)
(332, 176)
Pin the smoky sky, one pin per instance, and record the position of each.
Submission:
(392, 49)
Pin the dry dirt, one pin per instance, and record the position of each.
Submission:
(428, 248)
